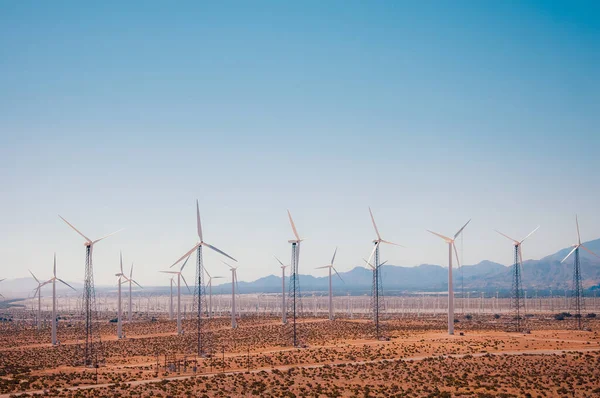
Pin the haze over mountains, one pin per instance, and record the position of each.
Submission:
(545, 273)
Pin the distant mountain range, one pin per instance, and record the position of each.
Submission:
(543, 274)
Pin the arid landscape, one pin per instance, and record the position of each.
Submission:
(338, 358)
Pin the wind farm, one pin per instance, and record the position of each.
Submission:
(310, 199)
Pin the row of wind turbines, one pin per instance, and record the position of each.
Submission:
(177, 275)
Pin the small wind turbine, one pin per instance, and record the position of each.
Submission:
(451, 245)
(130, 280)
(179, 278)
(120, 281)
(38, 291)
(283, 309)
(578, 288)
(171, 300)
(209, 284)
(331, 267)
(233, 285)
(53, 280)
(1, 281)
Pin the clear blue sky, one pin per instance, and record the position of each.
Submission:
(121, 115)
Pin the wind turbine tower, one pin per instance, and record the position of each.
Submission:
(577, 299)
(179, 278)
(199, 287)
(451, 245)
(377, 303)
(38, 291)
(294, 290)
(283, 309)
(517, 301)
(53, 281)
(331, 267)
(89, 299)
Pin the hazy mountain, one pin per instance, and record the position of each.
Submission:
(545, 273)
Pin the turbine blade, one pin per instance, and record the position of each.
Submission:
(531, 233)
(167, 272)
(205, 270)
(447, 239)
(140, 286)
(374, 225)
(230, 266)
(521, 258)
(339, 276)
(131, 271)
(199, 224)
(578, 235)
(460, 230)
(106, 236)
(589, 251)
(506, 236)
(383, 263)
(456, 253)
(76, 230)
(55, 265)
(325, 266)
(372, 253)
(571, 252)
(65, 283)
(36, 279)
(121, 261)
(219, 251)
(392, 243)
(186, 254)
(293, 226)
(185, 262)
(278, 260)
(333, 258)
(369, 264)
(184, 281)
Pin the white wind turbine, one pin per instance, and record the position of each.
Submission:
(120, 281)
(283, 309)
(233, 285)
(199, 270)
(1, 281)
(577, 245)
(517, 244)
(38, 291)
(331, 267)
(451, 245)
(209, 284)
(171, 300)
(377, 285)
(130, 280)
(53, 280)
(179, 278)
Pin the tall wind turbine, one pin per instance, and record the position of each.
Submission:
(38, 291)
(577, 284)
(130, 280)
(89, 296)
(377, 289)
(283, 309)
(331, 267)
(53, 281)
(517, 284)
(209, 284)
(179, 278)
(233, 285)
(294, 290)
(199, 270)
(451, 245)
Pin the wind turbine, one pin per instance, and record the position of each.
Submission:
(90, 354)
(53, 280)
(179, 278)
(294, 278)
(209, 283)
(1, 281)
(577, 285)
(171, 300)
(199, 270)
(120, 281)
(38, 291)
(283, 309)
(377, 285)
(130, 280)
(451, 245)
(331, 267)
(517, 284)
(233, 284)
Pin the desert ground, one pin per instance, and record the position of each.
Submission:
(342, 358)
